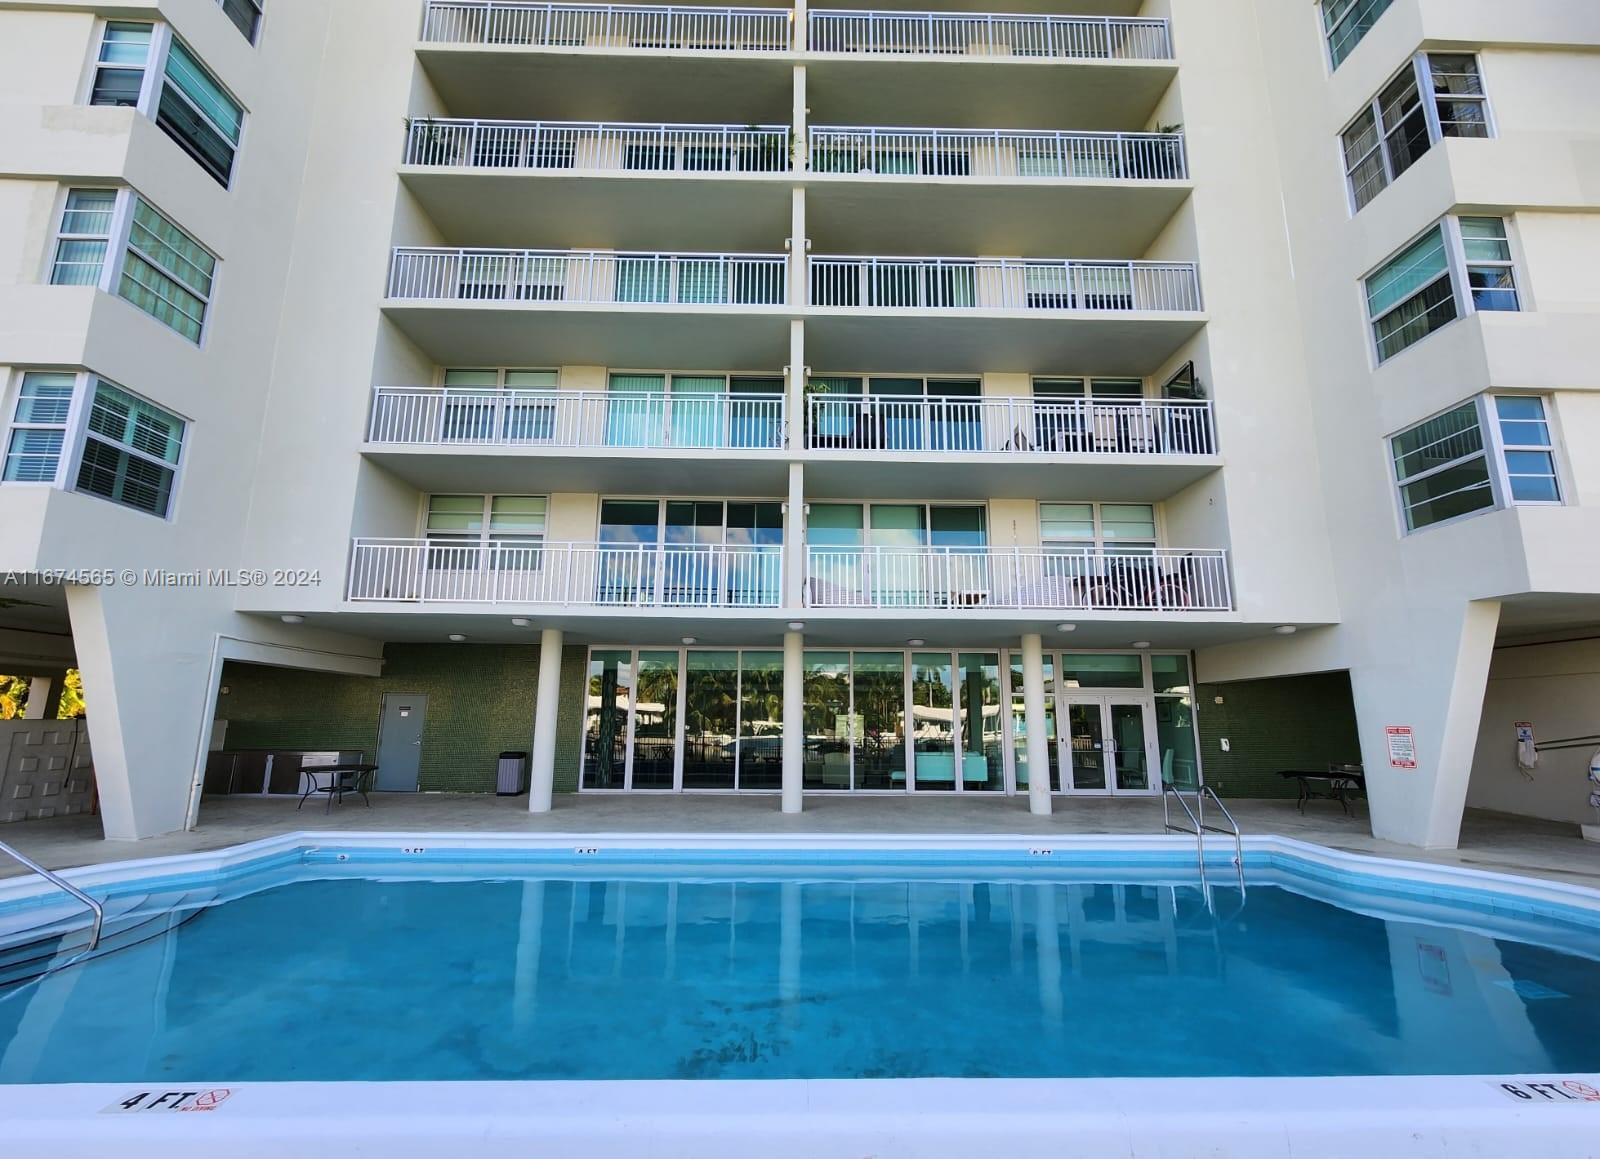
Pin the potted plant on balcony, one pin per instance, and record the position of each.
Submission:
(1167, 162)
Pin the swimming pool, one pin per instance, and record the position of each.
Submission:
(367, 959)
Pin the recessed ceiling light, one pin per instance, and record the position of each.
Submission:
(691, 639)
(1286, 629)
(1141, 644)
(293, 619)
(519, 622)
(916, 643)
(456, 637)
(796, 626)
(1066, 627)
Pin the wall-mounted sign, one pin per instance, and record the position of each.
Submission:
(1402, 746)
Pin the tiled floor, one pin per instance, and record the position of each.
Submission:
(1488, 841)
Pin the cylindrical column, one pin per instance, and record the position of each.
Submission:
(1039, 801)
(546, 709)
(794, 723)
(794, 540)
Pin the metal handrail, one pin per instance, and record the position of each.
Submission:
(57, 880)
(1200, 828)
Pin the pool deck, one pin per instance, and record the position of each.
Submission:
(1489, 841)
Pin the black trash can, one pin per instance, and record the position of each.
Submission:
(513, 779)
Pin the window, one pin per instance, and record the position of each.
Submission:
(157, 266)
(1459, 266)
(1399, 126)
(39, 427)
(166, 273)
(120, 66)
(1112, 527)
(486, 406)
(145, 66)
(1346, 22)
(130, 451)
(198, 113)
(499, 532)
(1446, 468)
(115, 445)
(84, 237)
(245, 14)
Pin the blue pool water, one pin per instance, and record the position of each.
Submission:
(855, 977)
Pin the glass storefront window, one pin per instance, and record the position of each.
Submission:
(655, 721)
(829, 725)
(1171, 674)
(1019, 723)
(880, 705)
(605, 733)
(761, 720)
(1088, 670)
(710, 719)
(981, 724)
(933, 721)
(1175, 734)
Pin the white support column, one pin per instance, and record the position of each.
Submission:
(800, 22)
(794, 540)
(1039, 800)
(44, 696)
(547, 708)
(794, 724)
(1429, 676)
(799, 252)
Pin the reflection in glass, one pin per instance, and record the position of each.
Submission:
(933, 724)
(1094, 670)
(710, 711)
(761, 721)
(1086, 742)
(1175, 731)
(829, 725)
(1127, 730)
(606, 720)
(655, 723)
(880, 706)
(1171, 673)
(1019, 724)
(979, 720)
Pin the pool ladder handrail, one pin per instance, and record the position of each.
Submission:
(62, 883)
(1197, 826)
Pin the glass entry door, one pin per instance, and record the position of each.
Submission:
(1108, 745)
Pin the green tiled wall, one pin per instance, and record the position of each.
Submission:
(480, 702)
(1298, 722)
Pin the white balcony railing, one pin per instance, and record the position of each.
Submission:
(589, 276)
(577, 419)
(566, 574)
(1053, 578)
(989, 34)
(1009, 426)
(900, 283)
(998, 153)
(608, 26)
(579, 145)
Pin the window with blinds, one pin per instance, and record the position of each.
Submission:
(197, 113)
(166, 273)
(131, 450)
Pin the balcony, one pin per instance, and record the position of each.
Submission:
(565, 575)
(496, 59)
(599, 307)
(1099, 195)
(688, 185)
(1057, 579)
(609, 27)
(988, 312)
(988, 34)
(560, 440)
(975, 69)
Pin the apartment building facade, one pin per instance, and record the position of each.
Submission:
(791, 401)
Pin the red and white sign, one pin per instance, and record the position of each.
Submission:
(1402, 746)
